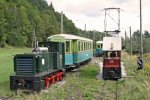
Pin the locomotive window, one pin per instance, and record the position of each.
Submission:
(98, 46)
(67, 46)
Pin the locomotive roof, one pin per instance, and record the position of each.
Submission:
(112, 43)
(71, 37)
(100, 42)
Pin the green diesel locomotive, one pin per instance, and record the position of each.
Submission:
(37, 70)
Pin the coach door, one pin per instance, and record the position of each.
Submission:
(75, 51)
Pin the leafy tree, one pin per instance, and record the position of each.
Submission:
(2, 24)
(136, 42)
(146, 34)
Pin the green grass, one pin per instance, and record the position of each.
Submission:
(6, 68)
(83, 85)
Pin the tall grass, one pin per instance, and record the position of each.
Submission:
(136, 87)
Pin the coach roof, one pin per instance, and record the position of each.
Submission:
(100, 42)
(71, 37)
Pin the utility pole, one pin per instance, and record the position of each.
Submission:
(33, 39)
(85, 29)
(125, 39)
(94, 40)
(130, 43)
(141, 44)
(62, 22)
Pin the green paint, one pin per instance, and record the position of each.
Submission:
(56, 39)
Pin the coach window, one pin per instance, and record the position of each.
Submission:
(101, 45)
(90, 46)
(84, 46)
(67, 46)
(79, 45)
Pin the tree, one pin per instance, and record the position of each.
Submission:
(2, 24)
(146, 34)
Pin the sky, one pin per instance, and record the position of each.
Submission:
(91, 13)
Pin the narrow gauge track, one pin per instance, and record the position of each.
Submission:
(117, 91)
(109, 88)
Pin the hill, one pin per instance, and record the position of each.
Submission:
(19, 19)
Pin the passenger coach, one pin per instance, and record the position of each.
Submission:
(99, 50)
(78, 50)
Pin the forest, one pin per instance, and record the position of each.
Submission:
(21, 19)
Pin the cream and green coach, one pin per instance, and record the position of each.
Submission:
(77, 49)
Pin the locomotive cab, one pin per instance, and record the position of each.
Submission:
(112, 58)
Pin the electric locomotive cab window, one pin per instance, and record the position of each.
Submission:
(111, 54)
(98, 46)
(67, 46)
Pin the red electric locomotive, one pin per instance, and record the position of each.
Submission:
(112, 58)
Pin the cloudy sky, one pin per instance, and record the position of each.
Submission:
(90, 12)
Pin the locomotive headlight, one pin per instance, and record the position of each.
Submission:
(43, 61)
